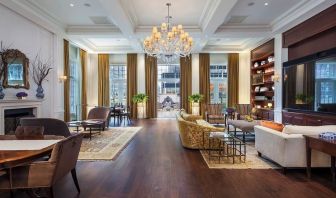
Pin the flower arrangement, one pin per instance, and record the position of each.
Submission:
(21, 95)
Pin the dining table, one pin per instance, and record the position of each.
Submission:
(16, 151)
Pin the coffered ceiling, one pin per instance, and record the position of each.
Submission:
(119, 26)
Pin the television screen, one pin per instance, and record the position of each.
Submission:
(311, 85)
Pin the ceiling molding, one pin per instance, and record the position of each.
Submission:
(208, 12)
(244, 28)
(129, 9)
(93, 30)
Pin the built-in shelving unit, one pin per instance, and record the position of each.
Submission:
(262, 72)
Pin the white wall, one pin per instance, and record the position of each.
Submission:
(244, 78)
(141, 74)
(195, 73)
(92, 77)
(31, 39)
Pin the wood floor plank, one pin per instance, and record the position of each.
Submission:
(155, 164)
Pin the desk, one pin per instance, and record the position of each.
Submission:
(325, 146)
(11, 158)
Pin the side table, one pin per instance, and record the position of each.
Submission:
(325, 146)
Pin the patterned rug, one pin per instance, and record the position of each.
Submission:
(252, 161)
(108, 144)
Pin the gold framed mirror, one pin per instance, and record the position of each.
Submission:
(16, 70)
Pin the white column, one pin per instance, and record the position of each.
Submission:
(141, 74)
(280, 55)
(244, 78)
(195, 73)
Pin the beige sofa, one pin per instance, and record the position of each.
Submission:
(193, 135)
(288, 148)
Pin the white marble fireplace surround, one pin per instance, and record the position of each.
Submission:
(18, 104)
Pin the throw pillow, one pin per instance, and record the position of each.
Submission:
(309, 130)
(272, 125)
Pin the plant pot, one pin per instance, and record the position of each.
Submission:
(141, 110)
(298, 101)
(195, 108)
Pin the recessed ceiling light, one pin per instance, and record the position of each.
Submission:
(87, 5)
(266, 4)
(72, 5)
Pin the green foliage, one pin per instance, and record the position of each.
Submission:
(195, 98)
(304, 98)
(140, 98)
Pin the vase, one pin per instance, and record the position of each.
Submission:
(39, 91)
(2, 94)
(195, 108)
(141, 108)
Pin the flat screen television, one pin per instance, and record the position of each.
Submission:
(309, 83)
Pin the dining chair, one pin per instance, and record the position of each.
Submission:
(127, 115)
(51, 126)
(45, 174)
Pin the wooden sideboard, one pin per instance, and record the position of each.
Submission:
(307, 119)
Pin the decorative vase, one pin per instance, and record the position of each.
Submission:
(39, 91)
(2, 94)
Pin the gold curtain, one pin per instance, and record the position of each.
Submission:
(103, 80)
(66, 72)
(83, 59)
(151, 85)
(132, 83)
(233, 79)
(204, 80)
(185, 82)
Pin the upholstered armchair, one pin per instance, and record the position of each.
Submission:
(51, 126)
(243, 110)
(44, 174)
(102, 114)
(214, 114)
(195, 136)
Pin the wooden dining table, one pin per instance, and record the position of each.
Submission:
(11, 158)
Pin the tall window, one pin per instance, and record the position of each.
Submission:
(168, 89)
(218, 84)
(326, 82)
(75, 83)
(118, 84)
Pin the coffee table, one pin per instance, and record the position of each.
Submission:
(87, 124)
(243, 125)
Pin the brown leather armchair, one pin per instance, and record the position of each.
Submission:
(243, 110)
(100, 113)
(51, 126)
(44, 174)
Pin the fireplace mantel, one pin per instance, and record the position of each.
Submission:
(18, 104)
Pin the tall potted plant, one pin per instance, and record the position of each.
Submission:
(195, 100)
(141, 99)
(40, 71)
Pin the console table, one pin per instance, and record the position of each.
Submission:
(325, 146)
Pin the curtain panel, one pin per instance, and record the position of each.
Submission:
(132, 83)
(83, 59)
(103, 80)
(233, 79)
(185, 82)
(151, 85)
(204, 80)
(66, 72)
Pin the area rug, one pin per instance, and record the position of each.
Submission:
(252, 161)
(108, 144)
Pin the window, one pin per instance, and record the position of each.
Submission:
(118, 84)
(168, 89)
(75, 83)
(218, 84)
(326, 82)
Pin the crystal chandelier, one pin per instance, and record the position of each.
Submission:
(170, 43)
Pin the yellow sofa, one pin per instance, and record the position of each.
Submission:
(193, 135)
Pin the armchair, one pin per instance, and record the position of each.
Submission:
(214, 114)
(243, 110)
(100, 113)
(44, 174)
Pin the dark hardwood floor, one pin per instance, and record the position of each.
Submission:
(155, 164)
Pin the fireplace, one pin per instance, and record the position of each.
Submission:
(13, 116)
(12, 110)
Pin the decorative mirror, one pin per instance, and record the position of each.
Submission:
(16, 69)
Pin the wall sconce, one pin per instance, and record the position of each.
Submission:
(276, 78)
(269, 105)
(62, 78)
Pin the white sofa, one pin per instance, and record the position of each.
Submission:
(288, 148)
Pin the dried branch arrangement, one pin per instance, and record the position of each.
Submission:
(40, 70)
(3, 49)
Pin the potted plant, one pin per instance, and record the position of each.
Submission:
(195, 100)
(303, 99)
(40, 72)
(141, 99)
(21, 95)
